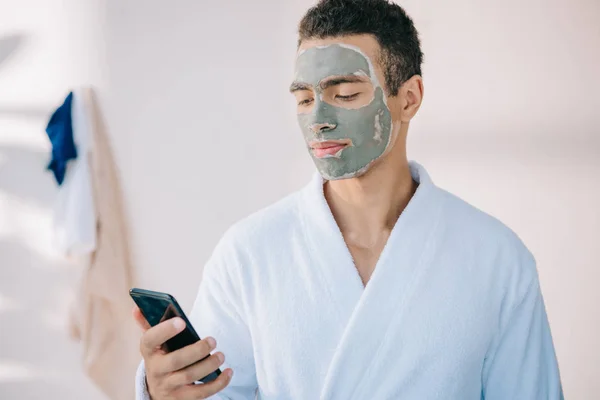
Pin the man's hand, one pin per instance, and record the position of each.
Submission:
(171, 376)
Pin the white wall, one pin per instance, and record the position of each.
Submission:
(204, 133)
(44, 50)
(201, 127)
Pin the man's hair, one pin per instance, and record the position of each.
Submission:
(400, 55)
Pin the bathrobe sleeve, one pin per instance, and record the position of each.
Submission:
(218, 312)
(522, 363)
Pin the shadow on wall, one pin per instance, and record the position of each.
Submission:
(28, 362)
(9, 45)
(19, 167)
(26, 113)
(33, 293)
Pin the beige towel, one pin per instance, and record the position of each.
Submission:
(101, 316)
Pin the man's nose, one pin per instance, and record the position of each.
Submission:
(320, 128)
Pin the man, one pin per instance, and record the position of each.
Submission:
(371, 282)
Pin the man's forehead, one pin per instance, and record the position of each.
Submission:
(315, 63)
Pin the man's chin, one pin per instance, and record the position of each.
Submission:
(329, 176)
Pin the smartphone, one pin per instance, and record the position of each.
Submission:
(157, 307)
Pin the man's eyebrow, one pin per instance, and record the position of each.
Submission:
(296, 86)
(328, 82)
(338, 80)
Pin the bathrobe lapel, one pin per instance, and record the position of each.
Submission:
(367, 313)
(329, 253)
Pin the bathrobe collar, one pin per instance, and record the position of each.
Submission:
(403, 260)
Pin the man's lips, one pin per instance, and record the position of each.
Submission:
(329, 148)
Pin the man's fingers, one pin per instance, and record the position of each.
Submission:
(140, 319)
(188, 355)
(196, 371)
(202, 391)
(154, 337)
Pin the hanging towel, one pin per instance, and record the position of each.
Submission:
(74, 219)
(100, 316)
(60, 133)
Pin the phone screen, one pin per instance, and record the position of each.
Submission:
(184, 338)
(156, 309)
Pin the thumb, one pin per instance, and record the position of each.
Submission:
(140, 319)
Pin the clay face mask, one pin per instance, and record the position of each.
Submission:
(344, 136)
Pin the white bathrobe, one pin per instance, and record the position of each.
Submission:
(453, 310)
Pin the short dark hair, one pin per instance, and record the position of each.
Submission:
(401, 55)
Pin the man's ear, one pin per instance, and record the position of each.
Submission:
(410, 96)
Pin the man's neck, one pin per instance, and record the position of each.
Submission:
(367, 207)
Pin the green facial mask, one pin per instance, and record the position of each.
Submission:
(369, 127)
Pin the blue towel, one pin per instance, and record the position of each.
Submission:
(60, 132)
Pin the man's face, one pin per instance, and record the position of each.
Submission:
(342, 107)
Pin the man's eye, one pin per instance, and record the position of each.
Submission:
(347, 98)
(305, 102)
